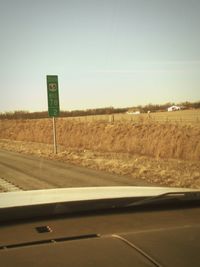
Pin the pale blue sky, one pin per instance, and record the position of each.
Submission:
(118, 53)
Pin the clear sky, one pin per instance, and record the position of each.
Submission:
(118, 53)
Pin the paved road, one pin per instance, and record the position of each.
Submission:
(24, 172)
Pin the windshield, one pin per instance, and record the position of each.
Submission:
(99, 93)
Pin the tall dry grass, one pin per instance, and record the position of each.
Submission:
(143, 137)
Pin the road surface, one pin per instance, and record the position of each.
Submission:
(25, 172)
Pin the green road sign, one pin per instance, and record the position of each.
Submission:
(53, 96)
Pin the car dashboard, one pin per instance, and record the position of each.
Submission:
(149, 236)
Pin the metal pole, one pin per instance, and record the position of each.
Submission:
(54, 136)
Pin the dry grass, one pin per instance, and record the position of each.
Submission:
(162, 153)
(161, 172)
(180, 117)
(149, 138)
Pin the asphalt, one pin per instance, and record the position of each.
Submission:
(26, 172)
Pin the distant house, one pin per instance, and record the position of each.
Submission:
(133, 112)
(173, 108)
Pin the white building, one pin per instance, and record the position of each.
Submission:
(133, 112)
(173, 108)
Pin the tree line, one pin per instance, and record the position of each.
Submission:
(22, 114)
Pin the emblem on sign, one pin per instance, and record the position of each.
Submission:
(52, 87)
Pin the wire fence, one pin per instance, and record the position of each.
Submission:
(184, 116)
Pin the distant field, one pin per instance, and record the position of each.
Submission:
(183, 116)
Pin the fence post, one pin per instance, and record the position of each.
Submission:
(111, 118)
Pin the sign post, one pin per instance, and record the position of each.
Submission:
(53, 103)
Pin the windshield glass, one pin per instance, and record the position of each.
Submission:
(99, 93)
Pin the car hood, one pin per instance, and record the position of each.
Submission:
(163, 238)
(50, 196)
(50, 202)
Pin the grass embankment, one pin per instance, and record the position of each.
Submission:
(158, 153)
(150, 139)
